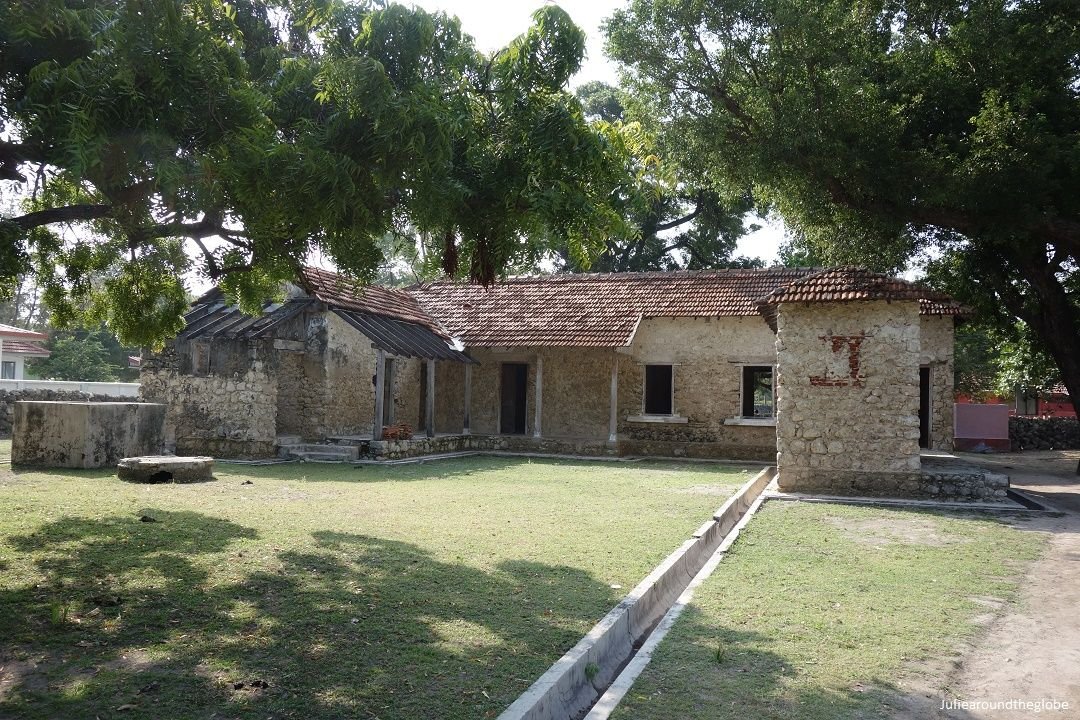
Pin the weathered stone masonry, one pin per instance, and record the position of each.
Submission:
(848, 396)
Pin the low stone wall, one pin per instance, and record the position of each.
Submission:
(421, 446)
(8, 398)
(946, 480)
(1060, 433)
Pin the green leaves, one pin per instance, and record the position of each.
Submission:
(255, 135)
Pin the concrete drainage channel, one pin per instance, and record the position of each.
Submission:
(604, 663)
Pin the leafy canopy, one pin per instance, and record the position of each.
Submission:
(881, 129)
(255, 134)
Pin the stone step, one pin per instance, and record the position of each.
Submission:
(324, 457)
(339, 453)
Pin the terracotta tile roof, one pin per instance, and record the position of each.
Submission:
(855, 284)
(10, 331)
(593, 310)
(338, 291)
(850, 283)
(24, 348)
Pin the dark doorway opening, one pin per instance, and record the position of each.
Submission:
(924, 407)
(512, 407)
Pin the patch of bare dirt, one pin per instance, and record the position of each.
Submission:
(1030, 651)
(894, 530)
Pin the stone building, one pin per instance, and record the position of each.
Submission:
(841, 372)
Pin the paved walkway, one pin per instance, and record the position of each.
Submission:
(1032, 652)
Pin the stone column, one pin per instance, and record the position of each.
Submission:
(380, 372)
(466, 420)
(429, 400)
(538, 409)
(613, 411)
(847, 397)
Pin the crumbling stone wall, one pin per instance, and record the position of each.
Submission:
(222, 415)
(936, 352)
(8, 398)
(348, 391)
(848, 396)
(299, 367)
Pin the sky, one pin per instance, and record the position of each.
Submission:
(494, 24)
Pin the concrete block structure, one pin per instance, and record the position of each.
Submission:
(84, 434)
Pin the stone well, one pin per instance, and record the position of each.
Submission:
(166, 468)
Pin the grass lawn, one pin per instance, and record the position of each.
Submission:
(322, 591)
(820, 609)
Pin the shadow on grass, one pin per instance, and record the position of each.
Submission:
(464, 466)
(187, 617)
(706, 672)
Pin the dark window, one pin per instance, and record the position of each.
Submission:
(757, 393)
(658, 389)
(8, 370)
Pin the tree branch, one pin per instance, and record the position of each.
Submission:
(67, 213)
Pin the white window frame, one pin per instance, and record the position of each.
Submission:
(742, 394)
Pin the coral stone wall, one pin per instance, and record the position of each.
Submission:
(936, 352)
(847, 395)
(300, 369)
(450, 396)
(486, 387)
(708, 355)
(348, 393)
(230, 415)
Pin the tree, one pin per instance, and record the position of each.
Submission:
(673, 223)
(883, 128)
(73, 358)
(255, 133)
(993, 361)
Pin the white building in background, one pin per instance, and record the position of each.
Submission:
(16, 345)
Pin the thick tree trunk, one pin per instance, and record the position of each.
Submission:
(1057, 324)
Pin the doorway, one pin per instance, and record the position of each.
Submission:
(513, 398)
(924, 407)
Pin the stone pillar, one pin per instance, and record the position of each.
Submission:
(429, 400)
(466, 420)
(847, 397)
(613, 409)
(538, 409)
(380, 371)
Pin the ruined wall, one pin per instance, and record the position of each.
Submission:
(936, 351)
(348, 391)
(224, 415)
(300, 369)
(848, 396)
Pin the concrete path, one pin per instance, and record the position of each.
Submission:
(1032, 652)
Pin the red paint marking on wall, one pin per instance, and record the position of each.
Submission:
(854, 377)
